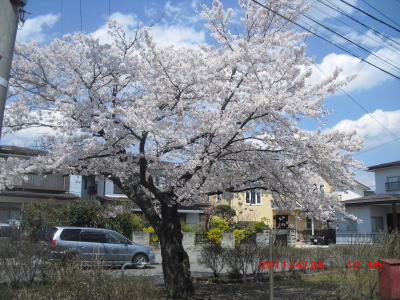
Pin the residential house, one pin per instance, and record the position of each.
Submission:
(109, 193)
(256, 205)
(377, 212)
(57, 187)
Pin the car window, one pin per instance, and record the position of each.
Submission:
(93, 237)
(49, 233)
(70, 235)
(116, 238)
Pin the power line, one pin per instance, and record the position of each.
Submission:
(326, 40)
(377, 40)
(369, 114)
(357, 21)
(80, 12)
(349, 40)
(378, 146)
(387, 17)
(363, 108)
(369, 15)
(109, 8)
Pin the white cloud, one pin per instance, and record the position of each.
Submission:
(171, 9)
(127, 21)
(27, 137)
(367, 75)
(375, 128)
(177, 35)
(33, 29)
(163, 34)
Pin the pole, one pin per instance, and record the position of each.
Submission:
(9, 10)
(271, 271)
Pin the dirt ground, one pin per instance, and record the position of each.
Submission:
(283, 289)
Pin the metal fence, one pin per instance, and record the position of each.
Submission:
(356, 238)
(201, 239)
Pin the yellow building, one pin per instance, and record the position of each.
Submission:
(255, 205)
(250, 206)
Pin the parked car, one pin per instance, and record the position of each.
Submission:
(324, 237)
(96, 244)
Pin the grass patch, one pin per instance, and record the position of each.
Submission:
(87, 287)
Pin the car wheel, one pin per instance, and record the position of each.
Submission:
(140, 258)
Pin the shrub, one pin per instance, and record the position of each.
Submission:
(257, 227)
(214, 235)
(127, 222)
(225, 212)
(245, 258)
(150, 229)
(217, 222)
(239, 234)
(73, 281)
(21, 260)
(186, 228)
(85, 213)
(212, 256)
(38, 214)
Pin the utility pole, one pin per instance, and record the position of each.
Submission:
(9, 18)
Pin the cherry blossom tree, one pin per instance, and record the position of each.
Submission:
(215, 119)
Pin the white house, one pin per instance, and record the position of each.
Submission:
(107, 191)
(378, 212)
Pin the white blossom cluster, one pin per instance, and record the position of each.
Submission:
(217, 118)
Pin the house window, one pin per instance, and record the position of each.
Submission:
(117, 190)
(351, 226)
(322, 189)
(10, 211)
(309, 223)
(253, 197)
(160, 181)
(377, 224)
(392, 184)
(219, 198)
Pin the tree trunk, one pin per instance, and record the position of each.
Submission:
(175, 261)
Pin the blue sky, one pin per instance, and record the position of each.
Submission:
(176, 22)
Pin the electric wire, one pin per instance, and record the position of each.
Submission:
(331, 6)
(350, 41)
(326, 40)
(396, 137)
(369, 15)
(61, 17)
(346, 24)
(379, 41)
(378, 146)
(80, 12)
(378, 11)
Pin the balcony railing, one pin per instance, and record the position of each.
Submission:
(51, 182)
(392, 186)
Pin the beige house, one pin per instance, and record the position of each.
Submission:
(256, 205)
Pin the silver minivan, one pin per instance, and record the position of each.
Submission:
(95, 245)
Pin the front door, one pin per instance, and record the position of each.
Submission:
(389, 219)
(281, 221)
